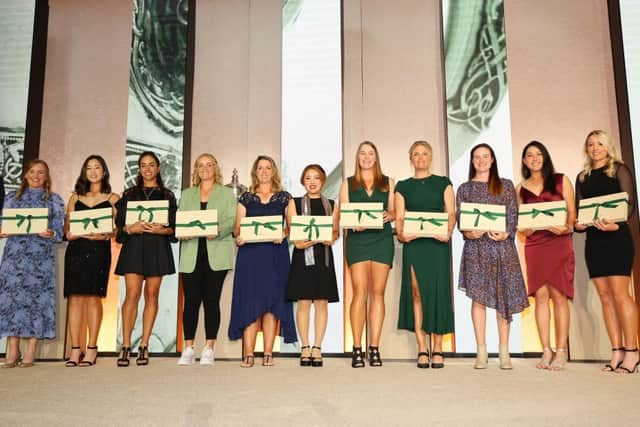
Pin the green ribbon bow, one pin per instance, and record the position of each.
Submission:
(22, 218)
(311, 227)
(141, 209)
(438, 222)
(197, 223)
(257, 224)
(360, 212)
(610, 204)
(86, 221)
(492, 216)
(548, 212)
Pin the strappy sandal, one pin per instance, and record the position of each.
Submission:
(423, 365)
(437, 365)
(123, 360)
(545, 362)
(13, 364)
(143, 356)
(560, 360)
(357, 358)
(72, 363)
(305, 360)
(374, 357)
(85, 363)
(623, 370)
(608, 367)
(316, 362)
(267, 360)
(248, 361)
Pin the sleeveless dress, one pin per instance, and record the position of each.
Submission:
(490, 272)
(429, 258)
(550, 258)
(312, 282)
(369, 245)
(261, 275)
(608, 253)
(87, 262)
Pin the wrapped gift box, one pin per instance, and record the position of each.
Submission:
(612, 207)
(90, 221)
(311, 227)
(156, 211)
(426, 224)
(540, 216)
(482, 217)
(254, 229)
(197, 223)
(361, 214)
(25, 221)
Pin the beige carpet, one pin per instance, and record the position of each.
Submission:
(397, 394)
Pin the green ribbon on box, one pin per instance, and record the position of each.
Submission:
(257, 224)
(609, 204)
(360, 212)
(86, 221)
(141, 209)
(438, 222)
(311, 227)
(197, 223)
(491, 216)
(548, 212)
(22, 218)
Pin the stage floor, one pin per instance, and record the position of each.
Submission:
(397, 394)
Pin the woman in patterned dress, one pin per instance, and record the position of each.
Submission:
(490, 271)
(27, 273)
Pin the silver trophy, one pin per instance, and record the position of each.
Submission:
(235, 185)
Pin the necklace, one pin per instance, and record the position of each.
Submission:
(147, 195)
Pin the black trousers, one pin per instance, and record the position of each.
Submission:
(202, 286)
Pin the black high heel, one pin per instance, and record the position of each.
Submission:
(633, 370)
(123, 360)
(608, 367)
(85, 363)
(437, 365)
(374, 357)
(72, 363)
(316, 362)
(357, 358)
(423, 365)
(305, 360)
(143, 356)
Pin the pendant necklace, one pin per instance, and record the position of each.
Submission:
(147, 195)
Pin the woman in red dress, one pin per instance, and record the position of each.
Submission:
(549, 253)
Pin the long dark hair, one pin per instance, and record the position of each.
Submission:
(548, 171)
(139, 180)
(82, 183)
(495, 185)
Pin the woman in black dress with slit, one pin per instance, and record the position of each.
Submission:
(87, 260)
(312, 278)
(145, 255)
(609, 249)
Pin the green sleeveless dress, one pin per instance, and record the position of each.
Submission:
(430, 259)
(369, 245)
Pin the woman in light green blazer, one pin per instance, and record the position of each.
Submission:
(205, 261)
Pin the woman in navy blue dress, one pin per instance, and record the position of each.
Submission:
(262, 269)
(27, 273)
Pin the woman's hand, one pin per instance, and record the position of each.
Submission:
(526, 232)
(386, 217)
(443, 239)
(473, 235)
(154, 228)
(604, 225)
(498, 236)
(406, 238)
(47, 234)
(97, 236)
(578, 226)
(358, 229)
(212, 236)
(303, 244)
(559, 231)
(135, 228)
(239, 241)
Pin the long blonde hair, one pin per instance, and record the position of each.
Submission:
(612, 154)
(217, 175)
(276, 181)
(24, 184)
(378, 177)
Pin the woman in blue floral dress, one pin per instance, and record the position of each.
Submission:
(27, 273)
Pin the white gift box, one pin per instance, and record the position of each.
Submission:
(254, 229)
(361, 214)
(612, 207)
(426, 224)
(311, 227)
(540, 216)
(155, 211)
(25, 220)
(196, 223)
(90, 221)
(482, 217)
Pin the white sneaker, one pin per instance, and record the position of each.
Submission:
(207, 356)
(188, 357)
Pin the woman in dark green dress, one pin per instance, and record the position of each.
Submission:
(425, 297)
(369, 252)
